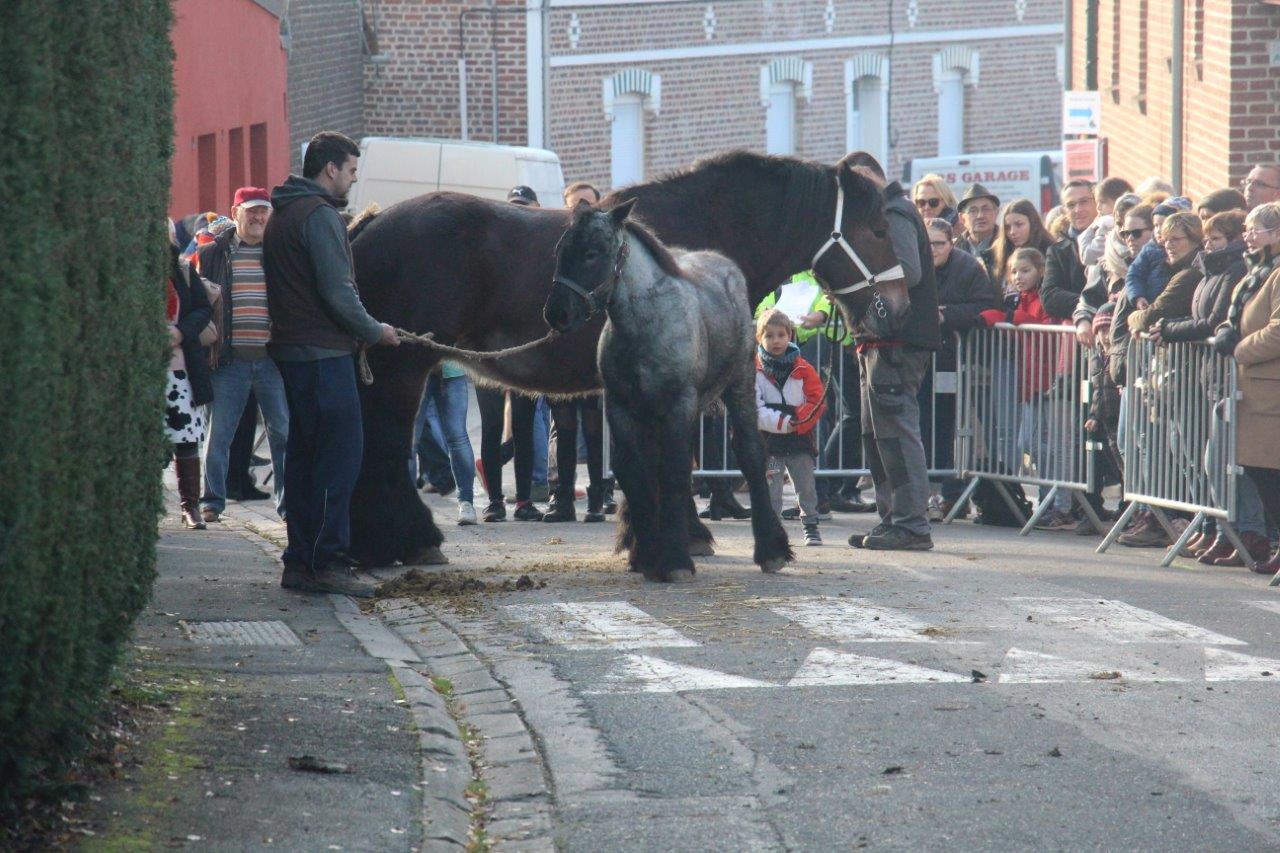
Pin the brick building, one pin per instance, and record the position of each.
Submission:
(623, 89)
(326, 46)
(1230, 118)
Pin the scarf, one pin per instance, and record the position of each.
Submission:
(778, 368)
(1260, 266)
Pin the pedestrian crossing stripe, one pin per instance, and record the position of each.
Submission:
(645, 674)
(853, 620)
(1222, 665)
(827, 667)
(1027, 667)
(598, 624)
(1116, 622)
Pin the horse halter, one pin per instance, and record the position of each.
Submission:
(837, 239)
(597, 300)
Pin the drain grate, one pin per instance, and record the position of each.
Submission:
(273, 633)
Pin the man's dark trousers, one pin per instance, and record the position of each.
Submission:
(322, 457)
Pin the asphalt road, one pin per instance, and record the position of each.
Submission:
(998, 693)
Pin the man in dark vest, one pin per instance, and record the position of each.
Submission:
(317, 324)
(891, 373)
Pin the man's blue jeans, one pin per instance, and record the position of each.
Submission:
(322, 462)
(444, 404)
(231, 386)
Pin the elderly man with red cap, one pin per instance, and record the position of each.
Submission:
(232, 269)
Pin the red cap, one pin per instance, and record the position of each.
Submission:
(252, 197)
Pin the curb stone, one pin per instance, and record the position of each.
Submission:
(521, 817)
(446, 769)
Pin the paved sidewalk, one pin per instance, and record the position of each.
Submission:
(216, 774)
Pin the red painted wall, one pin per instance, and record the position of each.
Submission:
(231, 126)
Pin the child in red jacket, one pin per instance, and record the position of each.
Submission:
(1043, 358)
(788, 404)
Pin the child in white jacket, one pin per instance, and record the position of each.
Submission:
(789, 402)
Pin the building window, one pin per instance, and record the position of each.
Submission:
(781, 83)
(953, 69)
(258, 155)
(207, 172)
(628, 96)
(866, 92)
(235, 159)
(1115, 51)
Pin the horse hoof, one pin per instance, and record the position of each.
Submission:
(680, 576)
(772, 567)
(429, 556)
(701, 548)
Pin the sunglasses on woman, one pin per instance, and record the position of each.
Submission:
(931, 203)
(1136, 232)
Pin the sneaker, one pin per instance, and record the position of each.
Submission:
(824, 512)
(1054, 520)
(333, 578)
(857, 540)
(558, 511)
(811, 535)
(466, 513)
(791, 513)
(1149, 536)
(526, 511)
(934, 512)
(897, 539)
(495, 511)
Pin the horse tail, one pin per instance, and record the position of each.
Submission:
(362, 219)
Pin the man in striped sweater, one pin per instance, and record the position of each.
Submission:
(232, 269)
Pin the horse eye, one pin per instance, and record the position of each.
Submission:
(880, 233)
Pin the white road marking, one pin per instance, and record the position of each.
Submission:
(1273, 606)
(1027, 667)
(645, 674)
(1116, 622)
(827, 667)
(599, 625)
(852, 620)
(1222, 665)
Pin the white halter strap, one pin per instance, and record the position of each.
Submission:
(837, 239)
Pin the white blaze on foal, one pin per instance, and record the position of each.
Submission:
(598, 625)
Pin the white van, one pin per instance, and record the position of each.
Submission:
(1010, 175)
(393, 169)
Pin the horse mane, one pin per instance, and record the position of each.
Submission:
(661, 254)
(362, 219)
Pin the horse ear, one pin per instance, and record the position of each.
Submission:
(620, 213)
(582, 202)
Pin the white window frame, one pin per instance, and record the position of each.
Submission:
(780, 119)
(954, 68)
(860, 74)
(626, 145)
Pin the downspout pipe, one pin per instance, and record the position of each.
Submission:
(1068, 36)
(1178, 69)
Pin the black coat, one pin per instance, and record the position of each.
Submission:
(1222, 270)
(1063, 279)
(964, 292)
(194, 314)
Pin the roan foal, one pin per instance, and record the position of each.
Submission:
(678, 336)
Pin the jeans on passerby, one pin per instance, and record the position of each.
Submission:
(232, 383)
(430, 460)
(322, 458)
(542, 475)
(1250, 516)
(444, 407)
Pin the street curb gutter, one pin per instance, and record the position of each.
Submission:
(519, 796)
(446, 770)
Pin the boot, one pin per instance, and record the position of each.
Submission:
(1256, 545)
(724, 504)
(609, 505)
(1219, 549)
(595, 504)
(561, 508)
(188, 470)
(1268, 567)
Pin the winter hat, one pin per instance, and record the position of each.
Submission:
(1102, 319)
(1170, 206)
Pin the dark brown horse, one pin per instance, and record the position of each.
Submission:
(476, 273)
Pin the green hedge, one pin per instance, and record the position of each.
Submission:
(86, 110)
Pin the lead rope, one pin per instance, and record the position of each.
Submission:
(428, 340)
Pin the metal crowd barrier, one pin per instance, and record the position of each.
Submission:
(1023, 399)
(1178, 439)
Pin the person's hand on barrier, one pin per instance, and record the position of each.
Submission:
(1084, 333)
(389, 336)
(1091, 425)
(1226, 340)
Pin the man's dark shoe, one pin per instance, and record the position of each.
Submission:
(253, 493)
(334, 578)
(526, 511)
(791, 513)
(897, 539)
(857, 540)
(495, 511)
(840, 503)
(558, 510)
